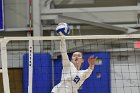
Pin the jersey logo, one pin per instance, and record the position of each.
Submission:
(76, 79)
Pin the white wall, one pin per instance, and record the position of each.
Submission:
(15, 59)
(16, 13)
(125, 75)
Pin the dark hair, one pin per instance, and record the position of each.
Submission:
(79, 52)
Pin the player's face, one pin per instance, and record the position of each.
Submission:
(77, 58)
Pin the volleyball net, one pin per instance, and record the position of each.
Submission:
(33, 64)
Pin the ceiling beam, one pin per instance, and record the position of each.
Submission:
(96, 9)
(108, 26)
(52, 27)
(127, 25)
(130, 30)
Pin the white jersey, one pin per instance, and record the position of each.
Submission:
(71, 78)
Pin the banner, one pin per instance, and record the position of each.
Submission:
(1, 16)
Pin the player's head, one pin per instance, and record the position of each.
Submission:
(77, 59)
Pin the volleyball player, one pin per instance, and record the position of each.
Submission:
(72, 77)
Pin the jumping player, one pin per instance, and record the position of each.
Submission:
(72, 77)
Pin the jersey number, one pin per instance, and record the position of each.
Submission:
(76, 79)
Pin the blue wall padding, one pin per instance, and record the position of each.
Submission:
(1, 15)
(42, 73)
(92, 84)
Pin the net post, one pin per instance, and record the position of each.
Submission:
(4, 70)
(0, 70)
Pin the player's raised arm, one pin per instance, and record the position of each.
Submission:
(63, 29)
(63, 50)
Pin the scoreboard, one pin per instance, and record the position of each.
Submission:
(1, 16)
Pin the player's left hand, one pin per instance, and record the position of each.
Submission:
(91, 61)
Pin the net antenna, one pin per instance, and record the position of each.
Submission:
(30, 79)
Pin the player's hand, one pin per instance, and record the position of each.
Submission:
(61, 34)
(91, 61)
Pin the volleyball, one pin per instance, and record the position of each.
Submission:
(63, 29)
